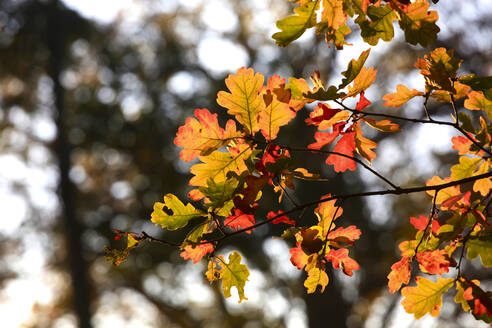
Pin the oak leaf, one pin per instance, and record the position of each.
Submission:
(234, 274)
(181, 214)
(345, 146)
(292, 27)
(197, 252)
(202, 136)
(244, 100)
(240, 220)
(400, 274)
(364, 79)
(340, 260)
(316, 277)
(426, 297)
(401, 96)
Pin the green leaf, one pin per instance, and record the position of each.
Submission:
(325, 95)
(234, 274)
(465, 168)
(419, 24)
(196, 234)
(477, 83)
(292, 27)
(180, 216)
(380, 25)
(353, 69)
(426, 297)
(218, 193)
(480, 246)
(466, 122)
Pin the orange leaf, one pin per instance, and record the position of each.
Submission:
(203, 136)
(196, 253)
(445, 193)
(401, 96)
(383, 125)
(400, 274)
(363, 145)
(434, 262)
(298, 258)
(366, 77)
(340, 260)
(240, 220)
(477, 101)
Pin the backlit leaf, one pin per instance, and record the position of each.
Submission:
(234, 274)
(445, 193)
(465, 168)
(292, 27)
(383, 125)
(379, 25)
(434, 262)
(203, 136)
(353, 69)
(240, 220)
(298, 258)
(316, 277)
(346, 146)
(217, 165)
(180, 216)
(363, 145)
(439, 69)
(477, 101)
(244, 100)
(401, 96)
(426, 297)
(419, 23)
(399, 275)
(364, 79)
(326, 213)
(481, 246)
(340, 260)
(344, 235)
(197, 252)
(275, 113)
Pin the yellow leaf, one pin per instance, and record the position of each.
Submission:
(234, 274)
(363, 81)
(244, 100)
(326, 213)
(316, 277)
(276, 113)
(445, 193)
(426, 297)
(483, 185)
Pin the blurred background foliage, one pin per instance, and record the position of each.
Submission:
(89, 110)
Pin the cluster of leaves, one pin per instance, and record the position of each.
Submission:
(458, 220)
(374, 18)
(236, 163)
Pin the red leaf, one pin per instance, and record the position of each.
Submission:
(419, 223)
(346, 146)
(363, 102)
(280, 219)
(340, 260)
(197, 252)
(434, 262)
(320, 113)
(271, 154)
(400, 274)
(240, 220)
(297, 257)
(325, 138)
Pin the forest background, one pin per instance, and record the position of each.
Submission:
(89, 109)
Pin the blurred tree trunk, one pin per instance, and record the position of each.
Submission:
(73, 230)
